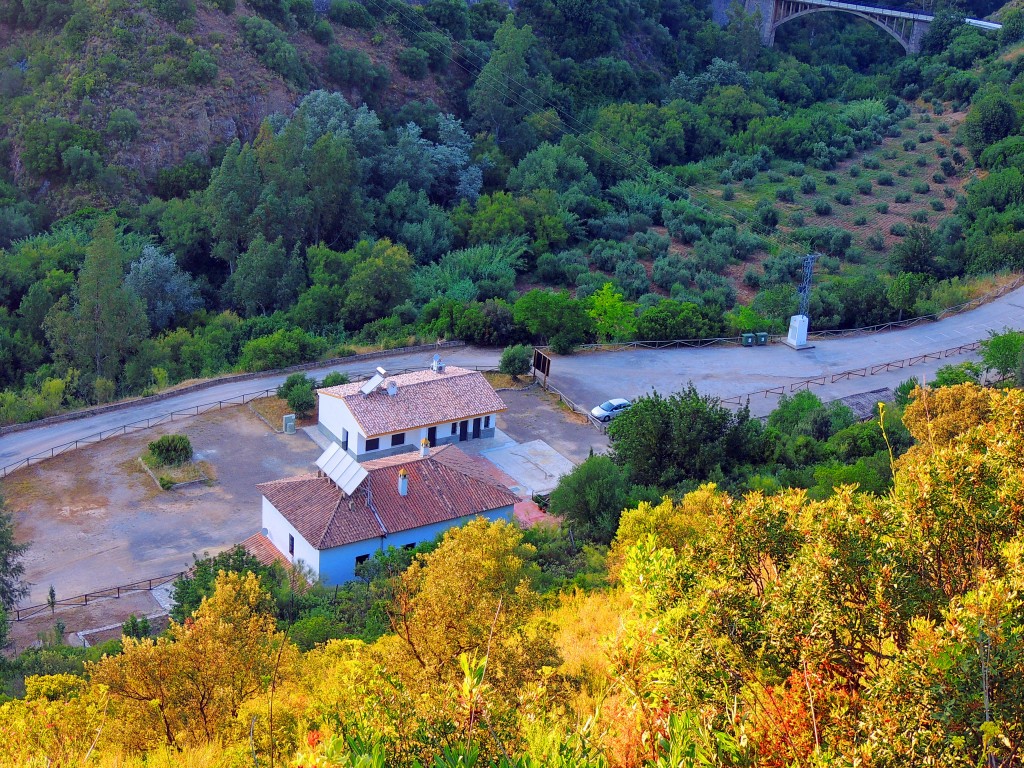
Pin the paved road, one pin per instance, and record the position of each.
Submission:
(594, 377)
(18, 446)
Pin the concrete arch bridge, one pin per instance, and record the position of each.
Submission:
(908, 28)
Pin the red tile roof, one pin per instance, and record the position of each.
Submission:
(424, 399)
(443, 486)
(260, 547)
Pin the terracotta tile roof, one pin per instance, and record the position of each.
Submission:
(424, 398)
(260, 547)
(320, 511)
(443, 486)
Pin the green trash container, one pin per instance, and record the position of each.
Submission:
(748, 339)
(762, 338)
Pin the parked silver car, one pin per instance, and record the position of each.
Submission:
(609, 410)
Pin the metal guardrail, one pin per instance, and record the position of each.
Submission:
(869, 370)
(111, 593)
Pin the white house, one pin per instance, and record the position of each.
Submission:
(398, 501)
(393, 414)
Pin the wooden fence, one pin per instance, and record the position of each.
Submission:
(111, 593)
(869, 370)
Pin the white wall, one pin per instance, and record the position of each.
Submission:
(278, 530)
(336, 417)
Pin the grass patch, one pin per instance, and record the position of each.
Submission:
(273, 410)
(504, 381)
(169, 476)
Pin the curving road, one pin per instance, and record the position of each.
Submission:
(592, 378)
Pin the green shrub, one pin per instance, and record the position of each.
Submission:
(796, 220)
(843, 197)
(938, 178)
(909, 145)
(822, 207)
(924, 138)
(165, 482)
(322, 32)
(831, 180)
(947, 167)
(354, 69)
(872, 163)
(413, 63)
(775, 177)
(171, 450)
(728, 193)
(921, 217)
(902, 197)
(921, 188)
(173, 10)
(949, 192)
(280, 349)
(334, 378)
(784, 194)
(516, 360)
(271, 46)
(854, 171)
(940, 151)
(942, 127)
(864, 187)
(882, 207)
(860, 220)
(202, 68)
(876, 241)
(899, 229)
(294, 380)
(886, 180)
(904, 171)
(302, 399)
(808, 185)
(350, 14)
(921, 161)
(796, 169)
(122, 124)
(938, 205)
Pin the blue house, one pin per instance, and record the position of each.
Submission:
(339, 517)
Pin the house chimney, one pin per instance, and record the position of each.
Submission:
(424, 448)
(392, 388)
(403, 482)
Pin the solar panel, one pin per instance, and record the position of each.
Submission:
(344, 471)
(372, 384)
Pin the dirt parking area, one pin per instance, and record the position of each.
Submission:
(95, 519)
(534, 414)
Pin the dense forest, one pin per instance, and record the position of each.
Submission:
(189, 188)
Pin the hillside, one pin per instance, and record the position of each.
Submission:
(189, 88)
(266, 184)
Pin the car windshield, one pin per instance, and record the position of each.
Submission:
(607, 406)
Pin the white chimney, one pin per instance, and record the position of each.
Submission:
(392, 388)
(403, 482)
(424, 448)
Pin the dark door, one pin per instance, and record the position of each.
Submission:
(432, 436)
(476, 428)
(463, 431)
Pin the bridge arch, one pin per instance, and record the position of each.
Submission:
(901, 33)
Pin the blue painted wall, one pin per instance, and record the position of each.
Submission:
(338, 565)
